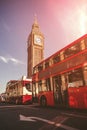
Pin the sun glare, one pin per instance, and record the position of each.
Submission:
(83, 20)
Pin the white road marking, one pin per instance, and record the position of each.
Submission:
(75, 115)
(34, 119)
(24, 118)
(19, 106)
(7, 106)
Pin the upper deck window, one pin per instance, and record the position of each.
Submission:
(35, 69)
(56, 59)
(40, 67)
(85, 41)
(46, 64)
(72, 50)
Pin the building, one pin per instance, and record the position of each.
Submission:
(35, 47)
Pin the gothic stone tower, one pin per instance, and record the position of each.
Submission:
(35, 48)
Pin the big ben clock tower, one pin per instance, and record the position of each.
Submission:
(35, 47)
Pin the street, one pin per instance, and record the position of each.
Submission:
(33, 117)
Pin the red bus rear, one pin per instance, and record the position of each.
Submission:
(19, 91)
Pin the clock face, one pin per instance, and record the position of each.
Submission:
(37, 40)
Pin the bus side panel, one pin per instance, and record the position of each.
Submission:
(27, 95)
(73, 97)
(27, 99)
(50, 100)
(49, 97)
(83, 97)
(78, 97)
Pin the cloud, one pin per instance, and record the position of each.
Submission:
(15, 61)
(10, 59)
(3, 59)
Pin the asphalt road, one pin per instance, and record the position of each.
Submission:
(33, 117)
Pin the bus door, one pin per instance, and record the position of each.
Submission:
(64, 89)
(57, 90)
(35, 91)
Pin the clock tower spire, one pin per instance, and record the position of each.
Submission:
(35, 19)
(35, 47)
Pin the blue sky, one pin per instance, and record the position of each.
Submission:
(60, 21)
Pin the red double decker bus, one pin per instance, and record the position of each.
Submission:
(19, 91)
(61, 79)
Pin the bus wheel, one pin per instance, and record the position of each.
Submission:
(43, 101)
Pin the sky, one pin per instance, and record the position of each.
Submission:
(61, 22)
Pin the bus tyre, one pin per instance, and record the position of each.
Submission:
(43, 101)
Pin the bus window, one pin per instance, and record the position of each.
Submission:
(85, 41)
(48, 85)
(35, 69)
(28, 86)
(75, 78)
(40, 67)
(35, 91)
(85, 73)
(47, 64)
(56, 59)
(72, 50)
(82, 45)
(61, 55)
(40, 86)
